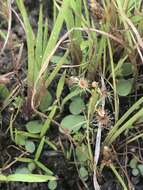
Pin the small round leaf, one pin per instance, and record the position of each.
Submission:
(127, 69)
(31, 166)
(81, 153)
(133, 163)
(135, 172)
(46, 101)
(52, 185)
(22, 170)
(34, 126)
(77, 106)
(20, 139)
(140, 167)
(73, 123)
(30, 146)
(83, 173)
(4, 92)
(124, 87)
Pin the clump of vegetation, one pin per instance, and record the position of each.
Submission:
(80, 96)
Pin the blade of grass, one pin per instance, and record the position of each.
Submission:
(118, 177)
(26, 178)
(126, 126)
(39, 39)
(45, 35)
(51, 145)
(116, 103)
(43, 167)
(26, 160)
(71, 95)
(48, 121)
(60, 86)
(39, 149)
(122, 119)
(56, 69)
(56, 30)
(30, 39)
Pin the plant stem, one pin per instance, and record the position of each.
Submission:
(118, 177)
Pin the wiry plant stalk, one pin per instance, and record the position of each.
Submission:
(98, 137)
(9, 25)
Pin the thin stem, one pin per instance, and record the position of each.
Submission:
(118, 177)
(116, 103)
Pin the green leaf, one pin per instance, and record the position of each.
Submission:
(73, 123)
(30, 39)
(40, 148)
(55, 71)
(135, 172)
(31, 166)
(78, 137)
(71, 95)
(20, 139)
(81, 153)
(56, 30)
(45, 34)
(77, 106)
(133, 163)
(46, 101)
(43, 167)
(3, 34)
(140, 167)
(3, 177)
(22, 170)
(137, 18)
(30, 146)
(17, 101)
(27, 160)
(27, 134)
(124, 87)
(4, 92)
(39, 39)
(126, 69)
(83, 173)
(34, 126)
(27, 178)
(52, 185)
(93, 101)
(56, 59)
(48, 121)
(60, 86)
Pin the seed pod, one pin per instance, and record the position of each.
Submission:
(95, 9)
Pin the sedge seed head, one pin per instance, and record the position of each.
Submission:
(83, 83)
(94, 84)
(103, 117)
